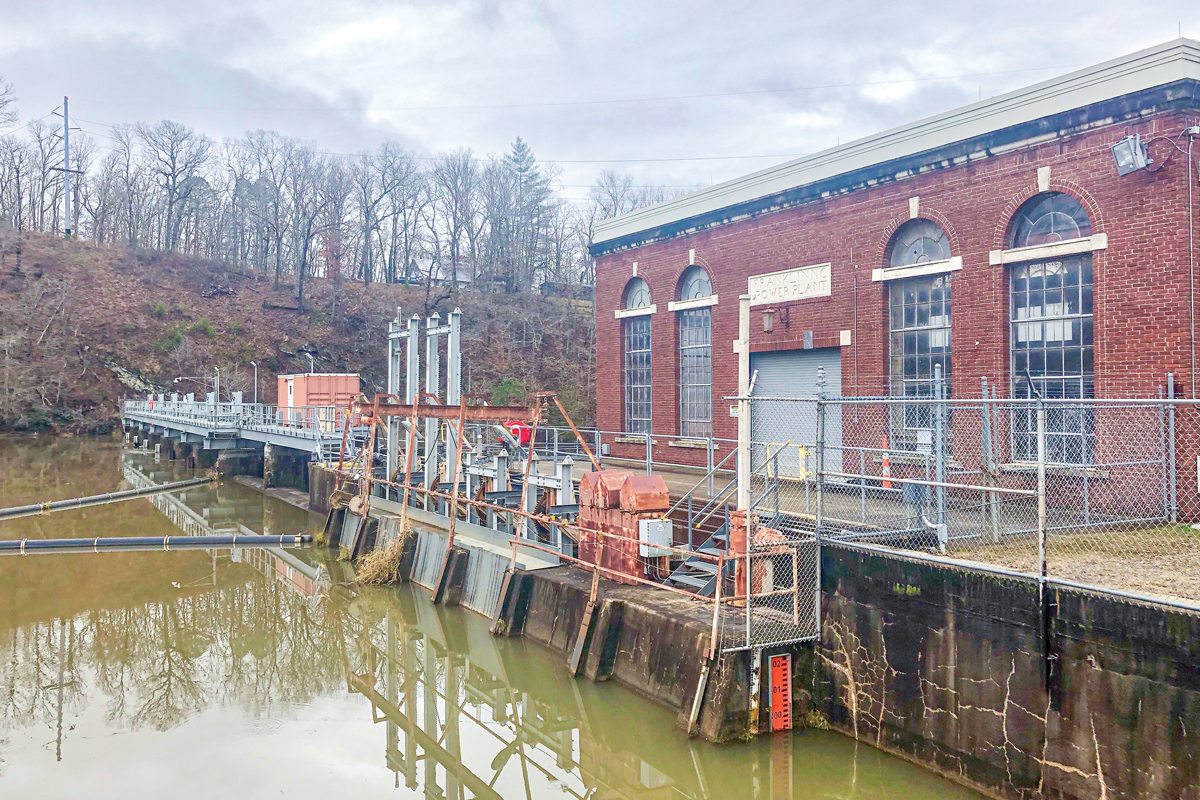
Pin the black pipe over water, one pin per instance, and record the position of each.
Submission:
(14, 547)
(98, 499)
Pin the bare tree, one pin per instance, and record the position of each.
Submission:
(456, 194)
(8, 104)
(274, 202)
(404, 203)
(271, 153)
(176, 154)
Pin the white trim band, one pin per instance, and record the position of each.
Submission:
(699, 302)
(622, 313)
(1097, 241)
(916, 270)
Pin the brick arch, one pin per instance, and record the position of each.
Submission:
(883, 249)
(703, 264)
(631, 279)
(1000, 237)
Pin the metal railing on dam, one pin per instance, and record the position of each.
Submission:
(315, 429)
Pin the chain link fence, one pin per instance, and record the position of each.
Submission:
(1099, 494)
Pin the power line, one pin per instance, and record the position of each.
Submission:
(233, 143)
(27, 124)
(615, 101)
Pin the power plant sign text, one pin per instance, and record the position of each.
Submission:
(790, 284)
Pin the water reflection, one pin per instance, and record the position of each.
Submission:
(259, 672)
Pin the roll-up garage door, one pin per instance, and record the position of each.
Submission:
(787, 431)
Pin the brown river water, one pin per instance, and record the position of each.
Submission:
(261, 673)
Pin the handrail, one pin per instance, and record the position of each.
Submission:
(711, 472)
(713, 505)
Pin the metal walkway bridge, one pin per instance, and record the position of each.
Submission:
(219, 426)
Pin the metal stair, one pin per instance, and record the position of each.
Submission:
(698, 575)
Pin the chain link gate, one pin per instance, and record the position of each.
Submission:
(776, 599)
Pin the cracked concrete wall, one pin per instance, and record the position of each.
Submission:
(962, 671)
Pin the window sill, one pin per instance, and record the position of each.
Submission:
(645, 311)
(916, 270)
(1067, 470)
(699, 302)
(634, 438)
(1097, 241)
(693, 444)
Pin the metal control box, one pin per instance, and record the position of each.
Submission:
(653, 536)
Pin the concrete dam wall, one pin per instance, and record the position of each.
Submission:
(966, 672)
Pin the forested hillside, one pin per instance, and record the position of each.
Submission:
(84, 324)
(171, 255)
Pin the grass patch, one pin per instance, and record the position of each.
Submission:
(170, 341)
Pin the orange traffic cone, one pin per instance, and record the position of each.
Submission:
(887, 465)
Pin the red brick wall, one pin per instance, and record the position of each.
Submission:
(1141, 279)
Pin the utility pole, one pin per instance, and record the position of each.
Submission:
(66, 171)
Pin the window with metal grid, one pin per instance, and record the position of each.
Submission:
(637, 375)
(1049, 218)
(695, 372)
(1050, 309)
(920, 339)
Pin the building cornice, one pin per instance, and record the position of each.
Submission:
(1158, 79)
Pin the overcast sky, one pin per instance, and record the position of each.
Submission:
(607, 83)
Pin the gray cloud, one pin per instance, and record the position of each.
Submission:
(349, 75)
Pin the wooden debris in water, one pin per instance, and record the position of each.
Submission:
(382, 566)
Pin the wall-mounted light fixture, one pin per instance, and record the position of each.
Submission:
(1131, 155)
(769, 318)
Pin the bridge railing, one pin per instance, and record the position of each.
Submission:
(314, 421)
(220, 415)
(310, 422)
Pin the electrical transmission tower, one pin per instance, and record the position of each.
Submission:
(66, 170)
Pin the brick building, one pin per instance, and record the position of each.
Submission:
(1059, 265)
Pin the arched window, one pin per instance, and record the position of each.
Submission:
(637, 359)
(694, 284)
(1048, 218)
(695, 356)
(919, 311)
(918, 242)
(637, 294)
(1050, 318)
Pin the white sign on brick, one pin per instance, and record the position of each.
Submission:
(790, 284)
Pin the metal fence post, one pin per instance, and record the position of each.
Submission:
(820, 465)
(1041, 487)
(820, 508)
(1173, 499)
(989, 450)
(939, 441)
(712, 486)
(691, 544)
(862, 484)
